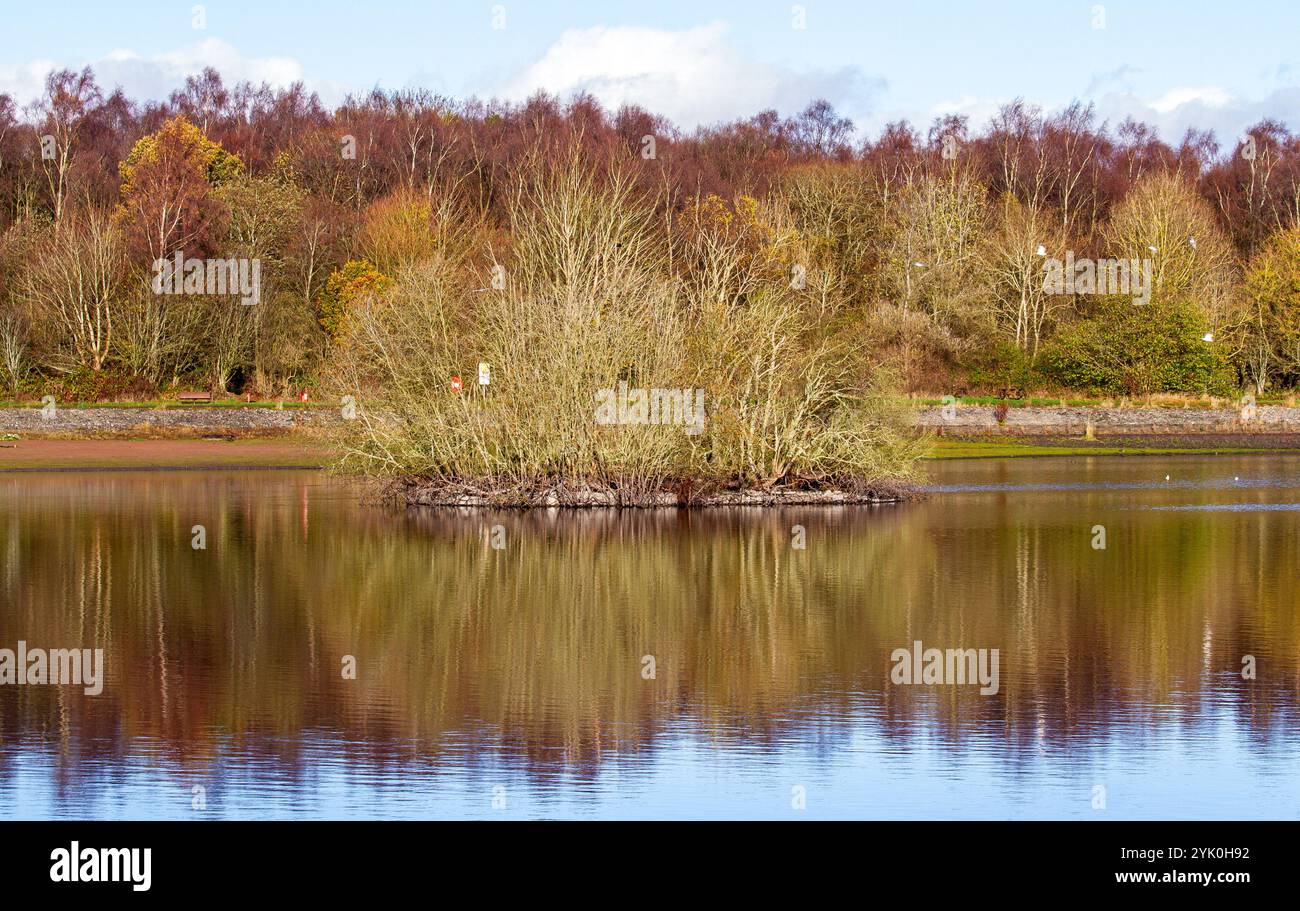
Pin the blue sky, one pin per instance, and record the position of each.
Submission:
(1174, 63)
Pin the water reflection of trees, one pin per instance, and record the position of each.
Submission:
(537, 649)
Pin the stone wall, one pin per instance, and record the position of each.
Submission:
(981, 420)
(176, 421)
(962, 420)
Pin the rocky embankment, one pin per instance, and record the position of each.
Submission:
(957, 420)
(180, 422)
(982, 421)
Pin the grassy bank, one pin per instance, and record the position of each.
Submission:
(1041, 447)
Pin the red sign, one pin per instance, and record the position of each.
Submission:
(456, 383)
(304, 395)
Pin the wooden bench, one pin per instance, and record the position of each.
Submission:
(194, 397)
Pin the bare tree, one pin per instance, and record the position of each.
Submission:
(1164, 220)
(75, 284)
(68, 98)
(13, 349)
(1015, 274)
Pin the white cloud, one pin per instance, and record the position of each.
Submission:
(1209, 96)
(693, 76)
(1171, 113)
(155, 77)
(1202, 108)
(25, 81)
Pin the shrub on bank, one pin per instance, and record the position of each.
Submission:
(99, 386)
(1124, 349)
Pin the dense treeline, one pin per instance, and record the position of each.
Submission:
(925, 252)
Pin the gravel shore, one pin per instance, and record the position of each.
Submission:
(178, 422)
(979, 421)
(964, 420)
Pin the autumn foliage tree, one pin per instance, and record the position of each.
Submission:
(169, 180)
(1272, 284)
(356, 282)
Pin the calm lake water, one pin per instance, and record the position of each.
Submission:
(512, 683)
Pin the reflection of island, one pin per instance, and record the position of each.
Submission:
(538, 648)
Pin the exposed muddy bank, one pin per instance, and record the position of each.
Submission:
(982, 420)
(30, 454)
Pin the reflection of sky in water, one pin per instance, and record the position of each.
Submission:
(1209, 769)
(1230, 507)
(1267, 483)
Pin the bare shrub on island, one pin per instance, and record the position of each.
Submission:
(603, 285)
